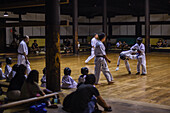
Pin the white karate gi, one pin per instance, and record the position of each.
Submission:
(43, 81)
(2, 76)
(141, 57)
(82, 79)
(21, 58)
(129, 55)
(93, 44)
(68, 82)
(8, 70)
(100, 63)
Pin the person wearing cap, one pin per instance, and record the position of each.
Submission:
(100, 60)
(140, 47)
(23, 52)
(93, 45)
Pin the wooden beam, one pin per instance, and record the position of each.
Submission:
(25, 4)
(31, 23)
(16, 103)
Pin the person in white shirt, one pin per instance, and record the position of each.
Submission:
(8, 68)
(67, 81)
(2, 76)
(140, 47)
(93, 46)
(126, 55)
(119, 44)
(23, 52)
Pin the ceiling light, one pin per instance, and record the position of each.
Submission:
(5, 14)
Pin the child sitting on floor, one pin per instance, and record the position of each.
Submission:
(8, 68)
(13, 72)
(84, 72)
(67, 81)
(43, 79)
(2, 76)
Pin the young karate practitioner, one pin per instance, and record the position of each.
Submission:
(93, 45)
(23, 52)
(84, 72)
(100, 60)
(67, 81)
(140, 47)
(126, 55)
(8, 68)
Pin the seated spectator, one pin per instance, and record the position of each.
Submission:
(67, 46)
(43, 79)
(159, 43)
(13, 72)
(84, 72)
(124, 45)
(14, 89)
(35, 47)
(8, 68)
(31, 88)
(85, 98)
(2, 76)
(67, 81)
(119, 44)
(165, 43)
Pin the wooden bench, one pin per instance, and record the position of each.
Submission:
(25, 101)
(4, 55)
(4, 84)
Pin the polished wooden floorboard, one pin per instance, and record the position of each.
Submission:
(153, 88)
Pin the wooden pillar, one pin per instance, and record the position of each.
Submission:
(147, 26)
(20, 28)
(105, 21)
(75, 26)
(2, 36)
(110, 28)
(138, 27)
(52, 17)
(105, 16)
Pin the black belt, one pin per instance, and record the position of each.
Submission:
(99, 56)
(20, 53)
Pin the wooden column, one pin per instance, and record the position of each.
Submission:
(105, 21)
(110, 28)
(138, 27)
(20, 28)
(147, 26)
(105, 16)
(2, 36)
(53, 44)
(75, 26)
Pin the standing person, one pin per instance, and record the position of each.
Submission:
(100, 60)
(126, 55)
(23, 52)
(93, 46)
(140, 47)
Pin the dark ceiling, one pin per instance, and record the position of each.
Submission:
(91, 8)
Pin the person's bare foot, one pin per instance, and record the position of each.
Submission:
(97, 83)
(111, 82)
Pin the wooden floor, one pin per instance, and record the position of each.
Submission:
(153, 88)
